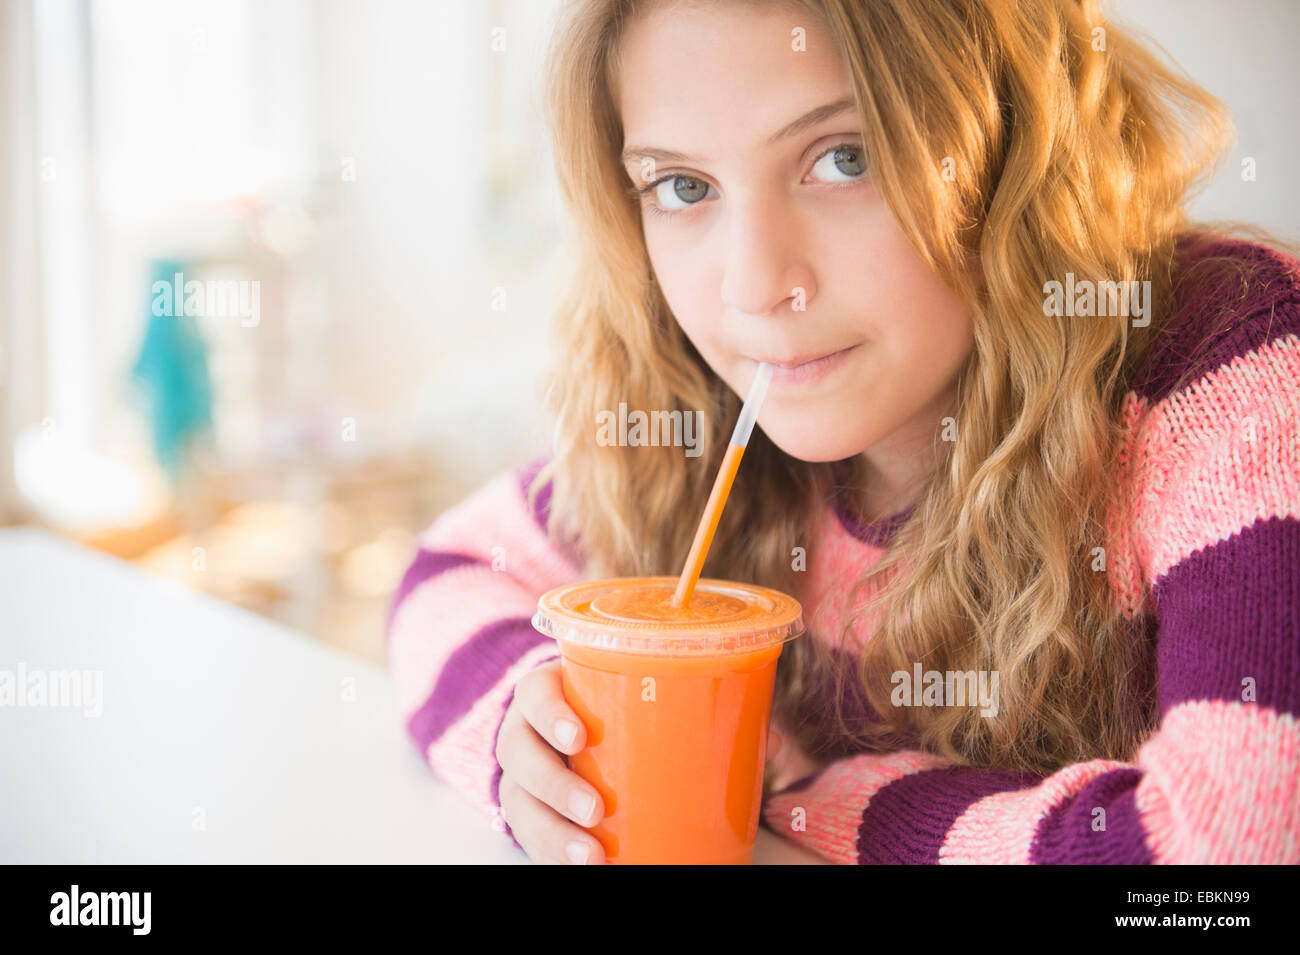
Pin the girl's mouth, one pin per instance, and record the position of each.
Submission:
(808, 371)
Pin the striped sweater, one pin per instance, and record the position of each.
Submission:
(1204, 544)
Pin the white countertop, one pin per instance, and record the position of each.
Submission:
(223, 737)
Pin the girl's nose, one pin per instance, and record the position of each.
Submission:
(764, 264)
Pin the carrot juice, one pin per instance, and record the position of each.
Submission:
(676, 702)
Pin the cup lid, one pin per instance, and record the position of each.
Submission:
(632, 615)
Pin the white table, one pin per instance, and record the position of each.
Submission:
(224, 737)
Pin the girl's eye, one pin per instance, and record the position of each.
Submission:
(671, 189)
(848, 160)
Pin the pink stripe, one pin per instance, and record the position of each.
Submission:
(1218, 456)
(495, 525)
(832, 807)
(463, 756)
(1221, 785)
(438, 616)
(837, 559)
(999, 829)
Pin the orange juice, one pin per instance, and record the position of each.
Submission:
(676, 702)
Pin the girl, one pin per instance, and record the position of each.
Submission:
(1031, 426)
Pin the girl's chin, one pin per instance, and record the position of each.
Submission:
(796, 443)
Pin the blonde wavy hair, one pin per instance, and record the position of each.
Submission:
(1074, 149)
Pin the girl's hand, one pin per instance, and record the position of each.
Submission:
(539, 793)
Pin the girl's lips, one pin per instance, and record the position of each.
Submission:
(810, 371)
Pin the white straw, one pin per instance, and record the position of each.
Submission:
(753, 401)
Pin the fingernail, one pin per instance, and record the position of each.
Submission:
(578, 852)
(566, 731)
(581, 804)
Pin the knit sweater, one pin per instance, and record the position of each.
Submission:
(1203, 545)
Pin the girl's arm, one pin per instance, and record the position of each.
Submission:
(1214, 498)
(459, 633)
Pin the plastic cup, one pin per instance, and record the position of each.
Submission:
(676, 703)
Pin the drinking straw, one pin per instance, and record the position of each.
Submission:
(722, 487)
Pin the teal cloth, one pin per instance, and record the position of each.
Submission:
(172, 372)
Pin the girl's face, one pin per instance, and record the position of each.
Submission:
(770, 240)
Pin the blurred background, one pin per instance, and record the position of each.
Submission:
(276, 275)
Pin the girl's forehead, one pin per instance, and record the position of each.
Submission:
(726, 43)
(729, 75)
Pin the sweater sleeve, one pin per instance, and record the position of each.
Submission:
(459, 633)
(1214, 486)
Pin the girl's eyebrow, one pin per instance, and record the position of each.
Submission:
(806, 121)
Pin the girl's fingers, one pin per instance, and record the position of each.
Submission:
(546, 836)
(540, 771)
(540, 696)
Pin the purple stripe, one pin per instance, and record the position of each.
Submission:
(542, 506)
(820, 703)
(572, 551)
(877, 533)
(473, 668)
(425, 565)
(1231, 612)
(1199, 339)
(1066, 836)
(906, 822)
